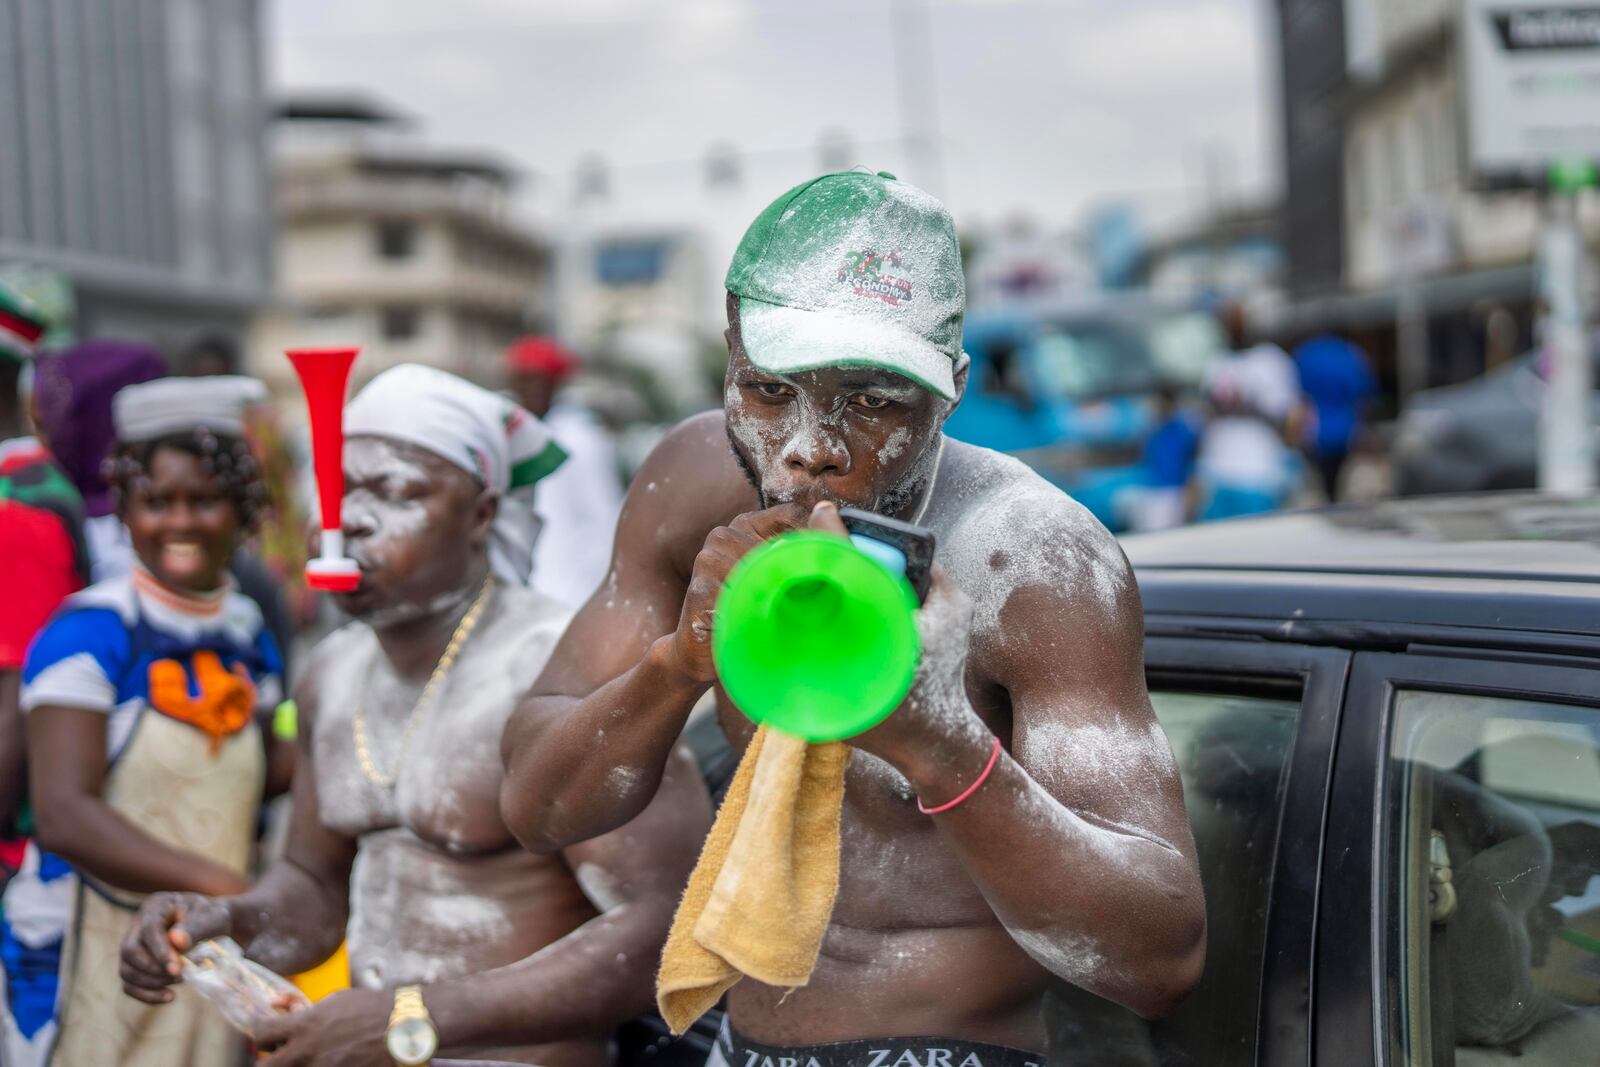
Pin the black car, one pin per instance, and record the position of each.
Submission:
(1388, 724)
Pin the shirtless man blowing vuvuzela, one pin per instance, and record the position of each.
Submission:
(1073, 859)
(396, 834)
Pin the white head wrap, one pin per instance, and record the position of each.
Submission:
(485, 434)
(164, 406)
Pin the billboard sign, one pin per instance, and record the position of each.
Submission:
(1532, 86)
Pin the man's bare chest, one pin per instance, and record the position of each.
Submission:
(895, 871)
(438, 778)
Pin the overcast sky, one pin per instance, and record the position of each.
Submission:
(1042, 107)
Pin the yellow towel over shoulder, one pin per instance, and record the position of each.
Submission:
(759, 900)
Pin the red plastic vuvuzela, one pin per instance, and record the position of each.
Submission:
(325, 376)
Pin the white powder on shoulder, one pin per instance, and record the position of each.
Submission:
(1005, 528)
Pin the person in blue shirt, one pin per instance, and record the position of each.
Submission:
(143, 697)
(1167, 466)
(1338, 384)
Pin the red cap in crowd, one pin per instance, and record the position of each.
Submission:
(540, 355)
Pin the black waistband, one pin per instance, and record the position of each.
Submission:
(740, 1051)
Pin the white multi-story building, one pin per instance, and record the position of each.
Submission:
(405, 249)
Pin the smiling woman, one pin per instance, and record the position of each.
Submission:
(186, 498)
(142, 698)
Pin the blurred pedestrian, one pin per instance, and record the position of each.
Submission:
(1167, 467)
(210, 354)
(1262, 372)
(142, 696)
(1369, 474)
(1338, 384)
(1244, 465)
(43, 557)
(72, 414)
(579, 504)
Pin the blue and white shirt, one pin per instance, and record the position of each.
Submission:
(125, 647)
(110, 643)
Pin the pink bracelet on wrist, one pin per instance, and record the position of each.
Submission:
(994, 757)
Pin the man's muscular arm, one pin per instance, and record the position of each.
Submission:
(602, 973)
(1088, 801)
(290, 920)
(584, 752)
(583, 985)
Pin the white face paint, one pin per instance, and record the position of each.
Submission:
(785, 447)
(386, 503)
(802, 431)
(383, 487)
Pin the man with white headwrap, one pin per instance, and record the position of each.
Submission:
(461, 944)
(490, 437)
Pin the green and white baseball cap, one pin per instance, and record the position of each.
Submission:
(853, 270)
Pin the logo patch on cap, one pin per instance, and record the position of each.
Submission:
(883, 277)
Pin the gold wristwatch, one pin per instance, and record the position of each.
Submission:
(411, 1038)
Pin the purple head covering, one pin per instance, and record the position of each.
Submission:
(72, 392)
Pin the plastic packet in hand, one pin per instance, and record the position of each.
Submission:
(245, 992)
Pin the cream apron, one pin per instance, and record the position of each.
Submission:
(169, 783)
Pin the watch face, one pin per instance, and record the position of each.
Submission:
(412, 1041)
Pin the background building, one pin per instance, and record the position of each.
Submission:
(1436, 264)
(1423, 238)
(1312, 65)
(403, 248)
(133, 159)
(630, 276)
(1234, 254)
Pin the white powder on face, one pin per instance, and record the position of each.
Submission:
(368, 461)
(806, 432)
(895, 446)
(802, 431)
(389, 517)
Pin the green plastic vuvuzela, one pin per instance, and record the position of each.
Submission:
(814, 637)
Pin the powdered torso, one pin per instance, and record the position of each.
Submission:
(913, 944)
(440, 889)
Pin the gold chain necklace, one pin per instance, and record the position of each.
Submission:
(440, 670)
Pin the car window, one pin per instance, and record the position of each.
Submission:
(1231, 751)
(1089, 360)
(1492, 905)
(1184, 345)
